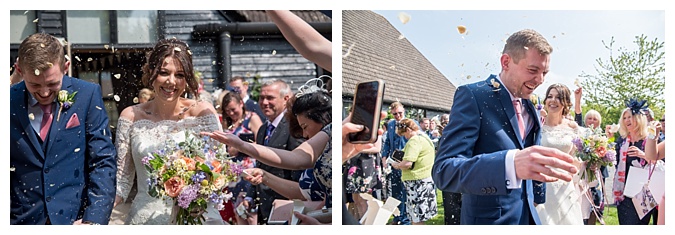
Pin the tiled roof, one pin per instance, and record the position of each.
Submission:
(373, 50)
(261, 16)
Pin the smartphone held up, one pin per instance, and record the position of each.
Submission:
(366, 110)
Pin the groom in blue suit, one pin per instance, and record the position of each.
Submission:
(62, 158)
(489, 150)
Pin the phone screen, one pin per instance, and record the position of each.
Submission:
(366, 103)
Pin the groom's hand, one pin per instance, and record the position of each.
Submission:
(535, 163)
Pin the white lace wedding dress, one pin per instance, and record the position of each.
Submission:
(563, 199)
(134, 141)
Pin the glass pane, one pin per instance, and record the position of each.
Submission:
(21, 25)
(106, 84)
(137, 26)
(88, 27)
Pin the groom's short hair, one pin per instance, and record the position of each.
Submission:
(519, 42)
(41, 51)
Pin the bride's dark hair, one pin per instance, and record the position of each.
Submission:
(564, 94)
(180, 51)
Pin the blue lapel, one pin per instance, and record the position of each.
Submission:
(21, 109)
(507, 105)
(66, 84)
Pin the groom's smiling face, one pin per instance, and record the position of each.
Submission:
(46, 84)
(523, 77)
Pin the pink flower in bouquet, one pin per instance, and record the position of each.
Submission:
(217, 167)
(601, 151)
(174, 186)
(190, 163)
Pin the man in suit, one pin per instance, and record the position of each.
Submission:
(238, 84)
(393, 142)
(62, 158)
(274, 133)
(488, 151)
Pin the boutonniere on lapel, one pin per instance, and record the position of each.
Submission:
(495, 85)
(66, 101)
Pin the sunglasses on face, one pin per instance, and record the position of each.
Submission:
(663, 120)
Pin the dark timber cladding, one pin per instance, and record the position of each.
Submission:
(375, 51)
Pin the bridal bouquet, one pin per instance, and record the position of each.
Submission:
(192, 172)
(595, 150)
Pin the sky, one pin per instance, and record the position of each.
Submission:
(576, 36)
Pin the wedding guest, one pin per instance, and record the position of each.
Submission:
(592, 119)
(61, 152)
(630, 147)
(142, 129)
(240, 86)
(416, 172)
(241, 123)
(654, 152)
(393, 143)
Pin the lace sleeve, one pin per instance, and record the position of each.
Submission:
(125, 162)
(206, 123)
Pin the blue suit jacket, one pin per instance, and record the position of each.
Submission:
(471, 156)
(74, 177)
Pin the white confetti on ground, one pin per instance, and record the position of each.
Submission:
(404, 17)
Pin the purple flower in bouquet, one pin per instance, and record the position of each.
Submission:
(610, 156)
(577, 143)
(188, 194)
(146, 160)
(198, 177)
(237, 169)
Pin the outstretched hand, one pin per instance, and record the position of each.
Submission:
(228, 139)
(254, 175)
(306, 220)
(536, 163)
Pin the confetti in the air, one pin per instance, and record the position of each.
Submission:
(214, 62)
(177, 49)
(78, 58)
(401, 37)
(117, 98)
(50, 64)
(274, 52)
(392, 67)
(99, 108)
(67, 58)
(468, 76)
(89, 59)
(135, 100)
(349, 50)
(461, 29)
(404, 17)
(189, 52)
(77, 150)
(118, 76)
(37, 72)
(526, 48)
(31, 116)
(576, 83)
(12, 169)
(25, 12)
(106, 46)
(36, 20)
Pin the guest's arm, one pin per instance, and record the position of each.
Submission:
(310, 43)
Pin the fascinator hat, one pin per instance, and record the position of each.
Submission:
(637, 107)
(311, 86)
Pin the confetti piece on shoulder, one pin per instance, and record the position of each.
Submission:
(31, 116)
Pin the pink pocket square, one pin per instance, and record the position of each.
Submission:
(73, 122)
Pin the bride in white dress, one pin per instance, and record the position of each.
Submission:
(563, 199)
(145, 127)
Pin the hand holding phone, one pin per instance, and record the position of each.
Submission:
(366, 110)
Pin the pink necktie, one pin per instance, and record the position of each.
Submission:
(521, 124)
(46, 120)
